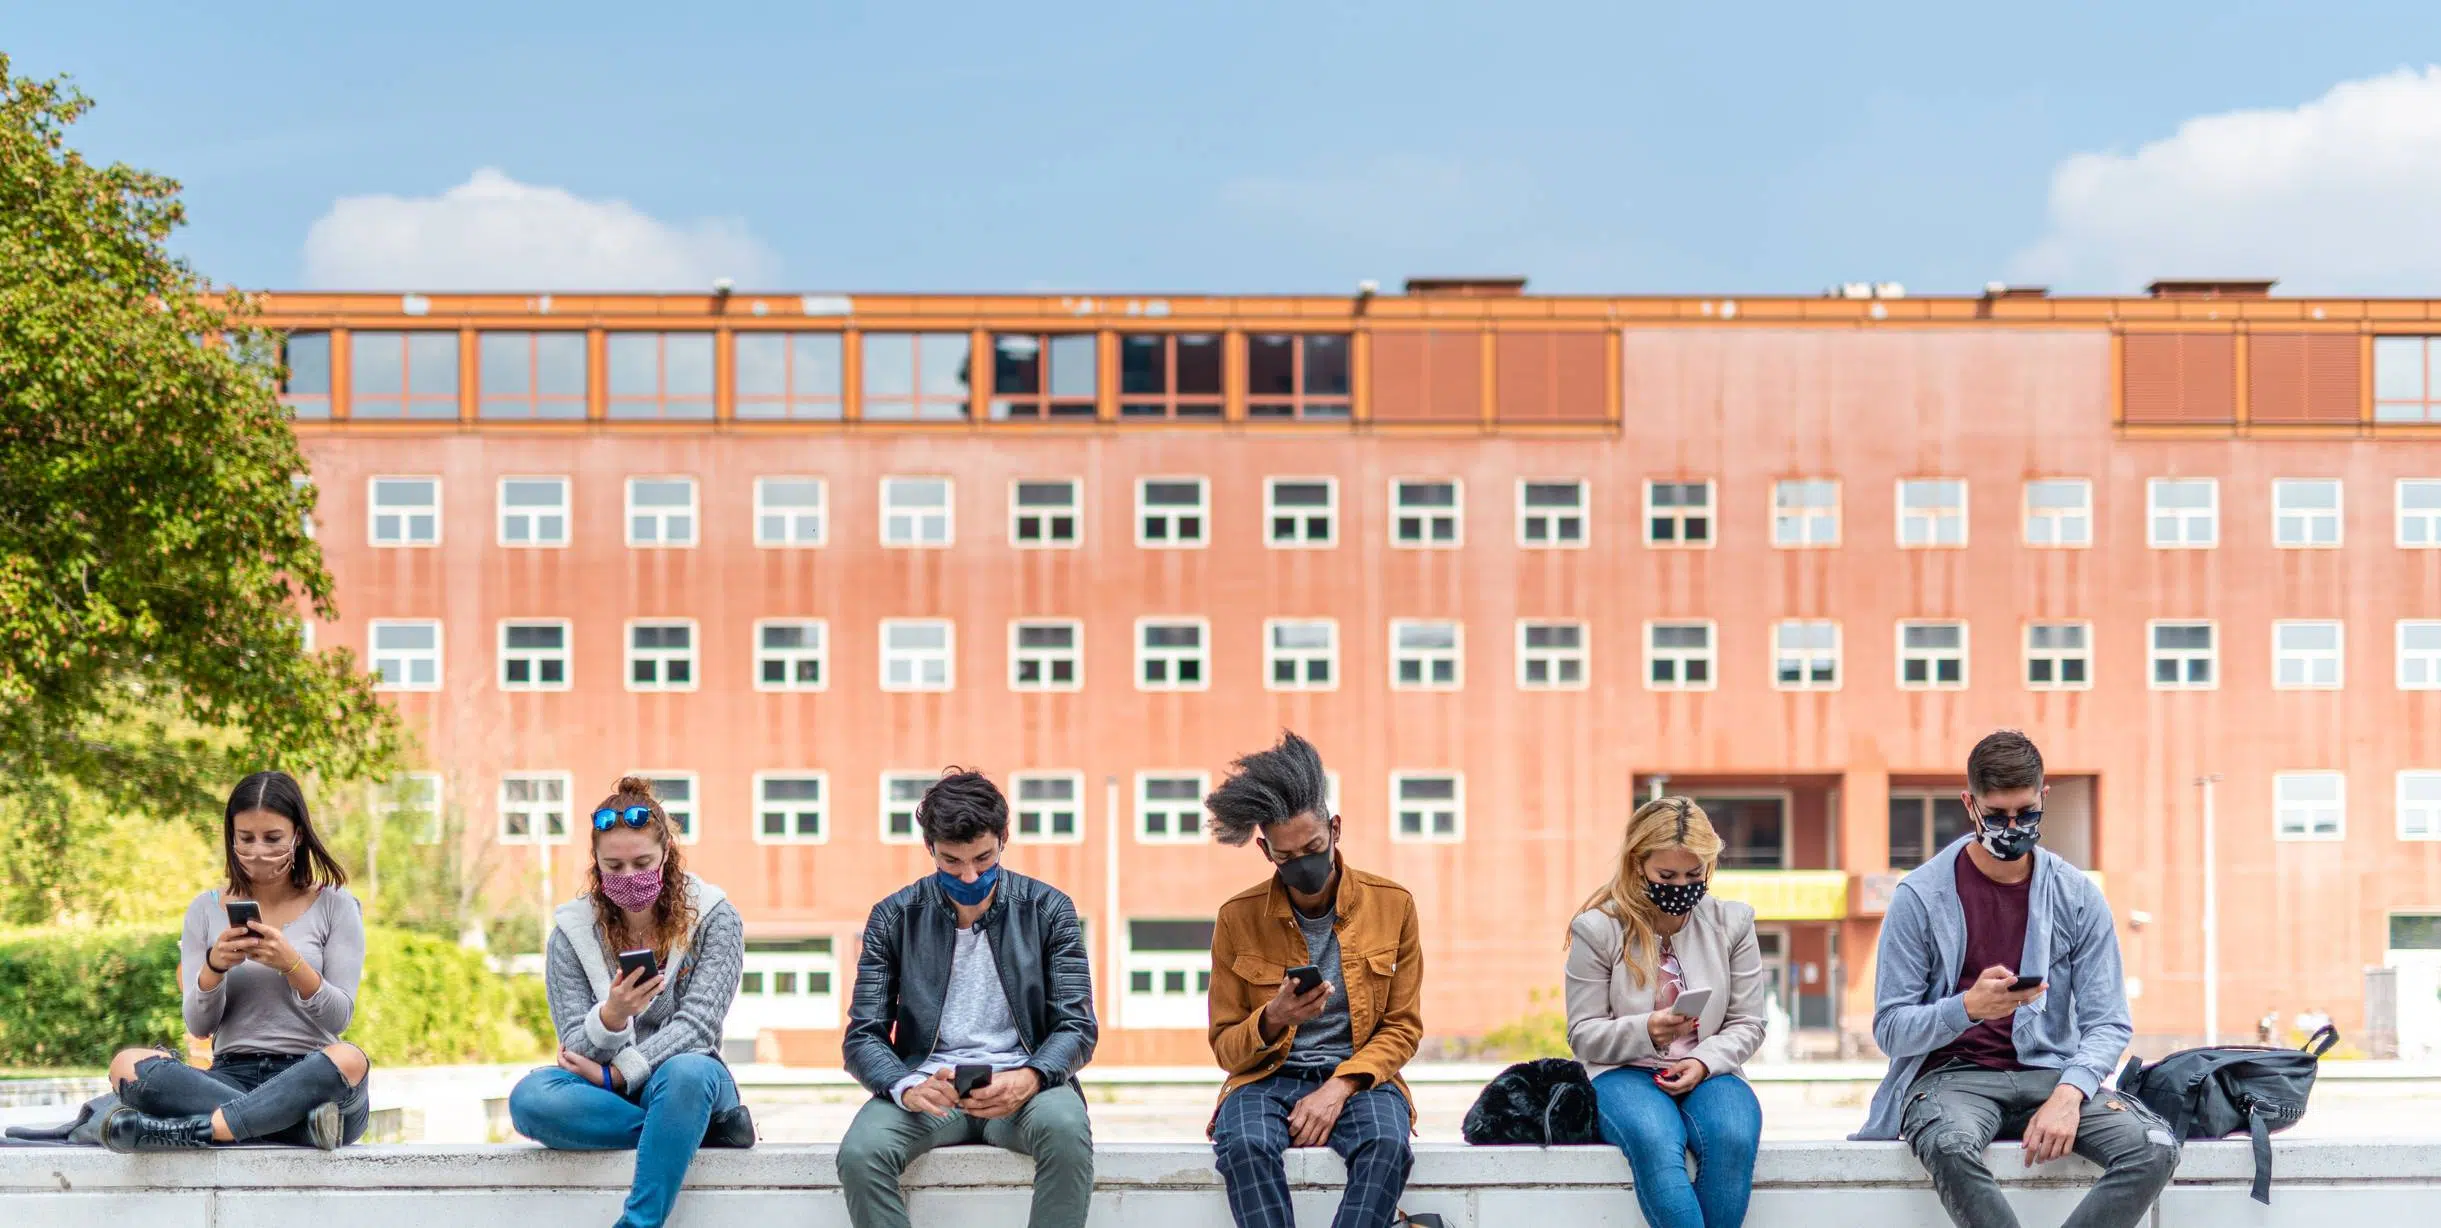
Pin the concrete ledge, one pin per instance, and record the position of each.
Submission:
(1821, 1185)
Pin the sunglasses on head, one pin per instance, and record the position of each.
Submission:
(634, 816)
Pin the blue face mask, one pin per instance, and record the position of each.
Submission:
(969, 894)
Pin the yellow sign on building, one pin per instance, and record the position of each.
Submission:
(1787, 895)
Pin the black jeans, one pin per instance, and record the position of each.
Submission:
(262, 1096)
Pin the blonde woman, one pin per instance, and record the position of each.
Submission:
(1667, 1083)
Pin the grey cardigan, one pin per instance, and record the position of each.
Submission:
(1607, 1009)
(685, 1018)
(2079, 1026)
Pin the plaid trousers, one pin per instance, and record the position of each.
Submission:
(1251, 1134)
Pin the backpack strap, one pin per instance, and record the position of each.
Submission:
(2129, 1073)
(2321, 1041)
(2261, 1131)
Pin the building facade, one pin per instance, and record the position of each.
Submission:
(1513, 562)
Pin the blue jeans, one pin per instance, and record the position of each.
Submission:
(663, 1125)
(1720, 1121)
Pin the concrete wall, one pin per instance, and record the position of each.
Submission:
(1818, 1185)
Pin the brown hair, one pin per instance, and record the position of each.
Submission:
(673, 912)
(1657, 826)
(278, 793)
(2005, 759)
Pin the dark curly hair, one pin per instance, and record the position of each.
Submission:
(962, 806)
(1270, 786)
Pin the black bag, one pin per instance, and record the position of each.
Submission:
(1546, 1102)
(2214, 1093)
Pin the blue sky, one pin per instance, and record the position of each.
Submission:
(1259, 146)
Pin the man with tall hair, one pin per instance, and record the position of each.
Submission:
(1310, 1062)
(1998, 998)
(972, 966)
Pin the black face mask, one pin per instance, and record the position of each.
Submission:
(1307, 875)
(1676, 899)
(2006, 840)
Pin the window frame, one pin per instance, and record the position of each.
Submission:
(1932, 679)
(821, 807)
(1425, 834)
(1019, 512)
(1017, 806)
(1806, 515)
(1274, 655)
(304, 382)
(1158, 1008)
(819, 654)
(692, 808)
(2400, 655)
(1042, 404)
(2431, 808)
(1582, 513)
(1201, 511)
(402, 404)
(405, 514)
(792, 403)
(1529, 656)
(792, 518)
(691, 516)
(1653, 654)
(2336, 515)
(566, 655)
(2427, 407)
(2282, 806)
(532, 403)
(915, 830)
(565, 510)
(1935, 517)
(1202, 657)
(439, 653)
(537, 833)
(2086, 653)
(1303, 519)
(2153, 655)
(2154, 513)
(1170, 404)
(917, 516)
(948, 652)
(1146, 804)
(1808, 658)
(1455, 653)
(1301, 404)
(2058, 518)
(1679, 517)
(2401, 514)
(620, 406)
(629, 656)
(1074, 654)
(1425, 516)
(918, 403)
(2336, 655)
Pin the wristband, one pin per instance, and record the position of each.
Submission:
(606, 1080)
(295, 964)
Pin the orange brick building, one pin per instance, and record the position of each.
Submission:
(1512, 561)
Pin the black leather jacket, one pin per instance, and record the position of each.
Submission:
(902, 976)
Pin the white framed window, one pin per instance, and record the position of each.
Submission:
(405, 511)
(405, 652)
(1932, 513)
(1170, 654)
(661, 655)
(1678, 513)
(2059, 656)
(661, 512)
(2059, 513)
(2182, 513)
(915, 512)
(1046, 655)
(1678, 656)
(1170, 807)
(534, 808)
(1048, 806)
(2306, 513)
(2420, 805)
(1427, 654)
(1553, 656)
(1932, 655)
(1805, 513)
(2184, 655)
(1300, 512)
(414, 798)
(2307, 654)
(1805, 654)
(792, 807)
(791, 654)
(2419, 509)
(918, 654)
(1169, 975)
(1427, 513)
(2419, 650)
(1046, 513)
(1427, 806)
(676, 793)
(1173, 513)
(2310, 805)
(1300, 654)
(533, 512)
(900, 792)
(1553, 515)
(786, 984)
(534, 654)
(788, 512)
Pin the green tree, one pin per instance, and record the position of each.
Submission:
(155, 557)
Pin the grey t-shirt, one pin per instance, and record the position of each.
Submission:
(1324, 1041)
(254, 1009)
(977, 1028)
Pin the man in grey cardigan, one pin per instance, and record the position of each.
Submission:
(1973, 1057)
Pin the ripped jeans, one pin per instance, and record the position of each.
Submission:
(1956, 1112)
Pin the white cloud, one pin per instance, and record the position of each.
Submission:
(2334, 196)
(494, 233)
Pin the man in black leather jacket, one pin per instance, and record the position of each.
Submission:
(972, 968)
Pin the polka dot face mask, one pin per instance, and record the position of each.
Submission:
(1676, 899)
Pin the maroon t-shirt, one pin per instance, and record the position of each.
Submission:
(1995, 934)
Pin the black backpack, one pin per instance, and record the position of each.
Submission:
(2214, 1093)
(1547, 1102)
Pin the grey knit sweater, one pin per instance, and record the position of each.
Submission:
(686, 1018)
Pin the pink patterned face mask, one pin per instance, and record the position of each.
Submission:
(633, 892)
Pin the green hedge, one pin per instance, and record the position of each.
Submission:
(75, 997)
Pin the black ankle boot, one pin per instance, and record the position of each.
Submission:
(733, 1128)
(127, 1130)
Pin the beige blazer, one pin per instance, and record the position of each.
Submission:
(1607, 1009)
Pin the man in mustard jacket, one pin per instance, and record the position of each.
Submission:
(1314, 1066)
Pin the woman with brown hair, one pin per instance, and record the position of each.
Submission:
(639, 1062)
(1667, 1081)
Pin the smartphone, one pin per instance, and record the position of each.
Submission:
(243, 911)
(970, 1079)
(2024, 983)
(1307, 976)
(629, 961)
(1691, 1003)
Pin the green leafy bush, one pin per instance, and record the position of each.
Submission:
(1541, 1032)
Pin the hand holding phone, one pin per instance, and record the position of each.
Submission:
(630, 961)
(1691, 1003)
(635, 987)
(1306, 977)
(243, 913)
(970, 1079)
(2024, 983)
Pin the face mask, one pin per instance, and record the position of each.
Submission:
(633, 892)
(1307, 875)
(266, 867)
(1676, 899)
(966, 893)
(2009, 842)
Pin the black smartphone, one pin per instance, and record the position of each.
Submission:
(629, 961)
(242, 912)
(970, 1079)
(2024, 983)
(1306, 976)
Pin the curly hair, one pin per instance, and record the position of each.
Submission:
(673, 911)
(1268, 787)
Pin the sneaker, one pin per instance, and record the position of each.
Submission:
(127, 1131)
(732, 1128)
(325, 1126)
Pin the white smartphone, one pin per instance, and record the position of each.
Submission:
(1691, 1003)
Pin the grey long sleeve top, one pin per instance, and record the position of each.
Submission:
(254, 1009)
(685, 1018)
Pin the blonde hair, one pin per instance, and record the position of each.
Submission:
(1658, 826)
